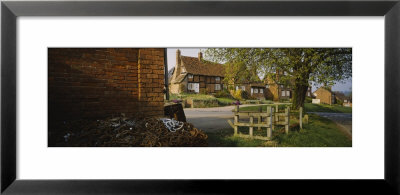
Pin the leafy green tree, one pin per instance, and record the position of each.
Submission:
(297, 67)
(235, 73)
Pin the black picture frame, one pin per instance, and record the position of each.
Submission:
(10, 10)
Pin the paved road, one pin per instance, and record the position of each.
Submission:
(344, 120)
(211, 119)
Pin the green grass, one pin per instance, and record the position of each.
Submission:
(308, 107)
(225, 101)
(320, 132)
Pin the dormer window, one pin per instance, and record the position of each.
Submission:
(267, 86)
(190, 76)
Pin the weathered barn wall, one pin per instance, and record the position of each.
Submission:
(98, 83)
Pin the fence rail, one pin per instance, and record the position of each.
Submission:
(271, 117)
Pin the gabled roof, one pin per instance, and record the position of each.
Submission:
(256, 83)
(324, 88)
(195, 66)
(170, 74)
(179, 78)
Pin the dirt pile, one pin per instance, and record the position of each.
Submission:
(125, 132)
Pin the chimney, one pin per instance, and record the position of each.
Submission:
(178, 62)
(200, 56)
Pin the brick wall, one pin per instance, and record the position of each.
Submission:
(99, 83)
(324, 95)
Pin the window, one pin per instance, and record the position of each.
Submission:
(267, 86)
(345, 101)
(217, 87)
(251, 91)
(243, 88)
(217, 79)
(190, 76)
(237, 87)
(283, 93)
(256, 90)
(281, 86)
(261, 90)
(190, 86)
(288, 93)
(308, 94)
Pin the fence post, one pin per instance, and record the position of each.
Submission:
(251, 126)
(236, 120)
(301, 117)
(276, 116)
(269, 129)
(273, 115)
(259, 118)
(287, 119)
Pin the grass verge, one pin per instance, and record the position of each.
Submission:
(308, 107)
(320, 132)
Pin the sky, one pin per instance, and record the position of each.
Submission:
(193, 52)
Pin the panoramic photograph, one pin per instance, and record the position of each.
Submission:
(199, 97)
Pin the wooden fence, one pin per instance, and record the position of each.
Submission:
(264, 119)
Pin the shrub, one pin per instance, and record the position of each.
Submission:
(308, 100)
(240, 94)
(339, 102)
(203, 91)
(223, 94)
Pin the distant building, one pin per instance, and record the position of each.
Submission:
(342, 98)
(278, 91)
(254, 89)
(196, 75)
(325, 96)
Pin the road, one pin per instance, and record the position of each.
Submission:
(211, 119)
(343, 120)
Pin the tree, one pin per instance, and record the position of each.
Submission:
(297, 67)
(235, 73)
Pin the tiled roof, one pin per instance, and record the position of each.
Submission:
(196, 67)
(170, 74)
(257, 84)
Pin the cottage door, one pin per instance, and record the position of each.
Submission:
(196, 87)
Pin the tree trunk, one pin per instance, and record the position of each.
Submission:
(299, 95)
